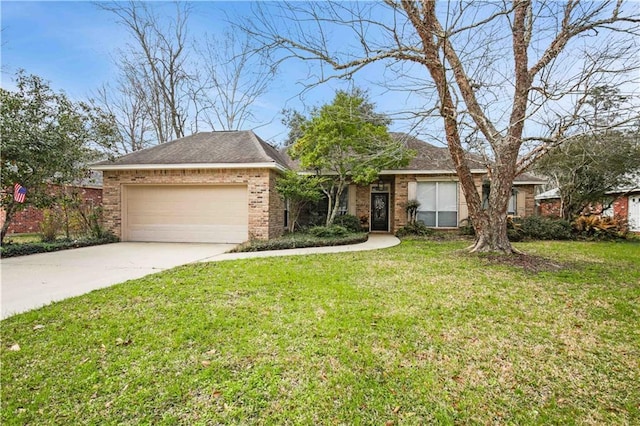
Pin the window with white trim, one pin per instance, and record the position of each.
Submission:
(512, 207)
(438, 204)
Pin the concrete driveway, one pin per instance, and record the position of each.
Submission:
(29, 282)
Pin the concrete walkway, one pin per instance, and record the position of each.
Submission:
(375, 242)
(29, 282)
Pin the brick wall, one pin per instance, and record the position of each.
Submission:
(363, 202)
(266, 208)
(529, 200)
(550, 208)
(29, 219)
(276, 208)
(621, 207)
(401, 196)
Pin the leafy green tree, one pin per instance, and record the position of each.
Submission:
(347, 142)
(46, 138)
(586, 168)
(298, 190)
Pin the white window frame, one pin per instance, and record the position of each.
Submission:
(513, 201)
(437, 211)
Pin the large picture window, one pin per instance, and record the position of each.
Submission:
(438, 204)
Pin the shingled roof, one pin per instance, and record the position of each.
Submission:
(203, 149)
(432, 158)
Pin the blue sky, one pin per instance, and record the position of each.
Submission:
(72, 45)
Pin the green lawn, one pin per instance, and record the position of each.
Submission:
(417, 334)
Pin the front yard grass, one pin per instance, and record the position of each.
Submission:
(417, 334)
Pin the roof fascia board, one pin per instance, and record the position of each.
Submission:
(528, 182)
(428, 172)
(401, 172)
(188, 166)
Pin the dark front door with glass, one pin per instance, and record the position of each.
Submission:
(379, 212)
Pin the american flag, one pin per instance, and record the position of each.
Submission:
(19, 193)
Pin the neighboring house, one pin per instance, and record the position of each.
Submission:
(220, 187)
(549, 204)
(208, 187)
(28, 220)
(625, 204)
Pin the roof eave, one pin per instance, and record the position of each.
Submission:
(528, 182)
(427, 172)
(188, 166)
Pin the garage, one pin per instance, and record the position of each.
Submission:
(217, 187)
(185, 213)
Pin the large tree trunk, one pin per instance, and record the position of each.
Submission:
(491, 229)
(491, 224)
(491, 236)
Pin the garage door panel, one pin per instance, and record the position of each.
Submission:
(186, 213)
(189, 233)
(152, 217)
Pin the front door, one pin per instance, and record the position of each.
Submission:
(380, 212)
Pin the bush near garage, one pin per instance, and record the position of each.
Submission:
(302, 240)
(13, 249)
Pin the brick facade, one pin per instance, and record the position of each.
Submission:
(266, 208)
(527, 194)
(28, 220)
(621, 207)
(399, 200)
(363, 203)
(550, 208)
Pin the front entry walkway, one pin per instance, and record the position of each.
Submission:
(375, 242)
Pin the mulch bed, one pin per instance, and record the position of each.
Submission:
(527, 262)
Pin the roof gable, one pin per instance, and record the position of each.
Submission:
(202, 149)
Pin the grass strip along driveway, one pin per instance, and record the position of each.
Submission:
(417, 334)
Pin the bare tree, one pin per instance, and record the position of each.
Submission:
(233, 76)
(177, 84)
(154, 66)
(515, 73)
(130, 115)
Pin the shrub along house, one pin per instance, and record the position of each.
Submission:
(220, 187)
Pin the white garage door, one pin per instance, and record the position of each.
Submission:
(181, 213)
